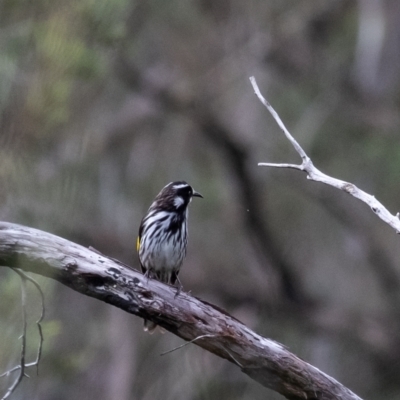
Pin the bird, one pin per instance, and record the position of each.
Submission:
(162, 239)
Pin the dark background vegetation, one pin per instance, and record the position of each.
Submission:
(103, 102)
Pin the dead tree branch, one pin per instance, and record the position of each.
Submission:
(192, 319)
(315, 174)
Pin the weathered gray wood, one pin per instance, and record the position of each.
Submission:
(92, 274)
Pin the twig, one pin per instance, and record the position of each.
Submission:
(202, 337)
(22, 365)
(185, 344)
(315, 174)
(23, 340)
(234, 360)
(38, 323)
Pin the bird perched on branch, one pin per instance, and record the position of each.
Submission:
(162, 239)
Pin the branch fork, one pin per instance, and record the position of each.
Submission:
(316, 175)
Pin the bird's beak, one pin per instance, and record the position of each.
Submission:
(196, 194)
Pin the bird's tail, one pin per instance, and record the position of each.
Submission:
(149, 326)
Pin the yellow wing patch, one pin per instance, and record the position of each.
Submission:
(138, 243)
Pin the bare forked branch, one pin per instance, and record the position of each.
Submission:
(315, 174)
(22, 365)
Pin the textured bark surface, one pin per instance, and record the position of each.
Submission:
(95, 275)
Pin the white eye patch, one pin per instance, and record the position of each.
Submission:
(178, 201)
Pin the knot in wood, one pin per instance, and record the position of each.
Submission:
(349, 188)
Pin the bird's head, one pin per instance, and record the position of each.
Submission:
(175, 196)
